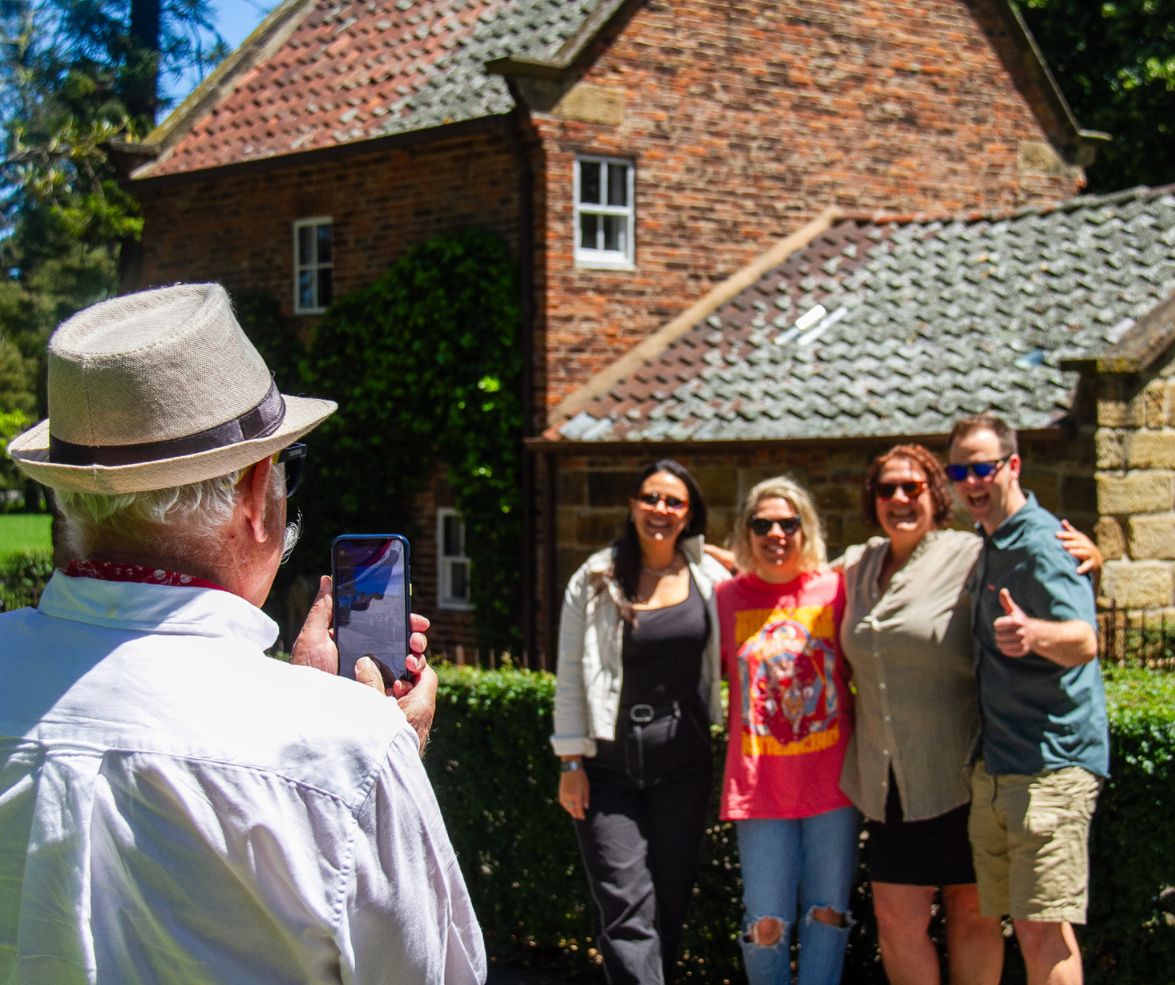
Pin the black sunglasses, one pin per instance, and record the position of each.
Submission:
(887, 490)
(651, 499)
(762, 525)
(293, 458)
(981, 470)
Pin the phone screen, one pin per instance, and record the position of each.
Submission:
(372, 602)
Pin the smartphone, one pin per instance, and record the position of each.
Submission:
(372, 596)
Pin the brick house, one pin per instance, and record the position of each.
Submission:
(636, 154)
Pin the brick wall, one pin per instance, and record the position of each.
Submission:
(1136, 488)
(236, 226)
(866, 104)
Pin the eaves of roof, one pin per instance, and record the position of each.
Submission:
(563, 59)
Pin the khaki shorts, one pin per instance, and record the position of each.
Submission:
(1030, 839)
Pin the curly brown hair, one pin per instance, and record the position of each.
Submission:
(936, 481)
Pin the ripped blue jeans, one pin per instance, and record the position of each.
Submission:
(790, 869)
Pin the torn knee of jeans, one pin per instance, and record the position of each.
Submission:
(764, 931)
(832, 917)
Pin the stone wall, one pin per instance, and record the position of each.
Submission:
(1136, 488)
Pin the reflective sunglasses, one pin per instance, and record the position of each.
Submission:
(887, 490)
(293, 459)
(651, 499)
(981, 470)
(761, 525)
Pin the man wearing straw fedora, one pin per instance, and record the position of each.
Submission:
(174, 805)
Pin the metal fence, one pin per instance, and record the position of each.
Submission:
(1136, 637)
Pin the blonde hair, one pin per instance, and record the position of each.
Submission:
(813, 552)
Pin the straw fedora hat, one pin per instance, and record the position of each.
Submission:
(154, 390)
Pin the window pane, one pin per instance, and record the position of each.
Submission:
(453, 546)
(306, 289)
(305, 245)
(614, 229)
(589, 231)
(325, 242)
(589, 182)
(459, 581)
(326, 287)
(617, 184)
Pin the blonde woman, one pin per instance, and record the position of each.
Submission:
(790, 722)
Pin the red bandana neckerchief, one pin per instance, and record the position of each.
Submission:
(110, 571)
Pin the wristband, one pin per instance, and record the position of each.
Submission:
(570, 765)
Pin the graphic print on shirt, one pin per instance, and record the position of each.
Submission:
(786, 666)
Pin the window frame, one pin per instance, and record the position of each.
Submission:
(312, 222)
(592, 256)
(445, 598)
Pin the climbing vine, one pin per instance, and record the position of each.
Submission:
(426, 366)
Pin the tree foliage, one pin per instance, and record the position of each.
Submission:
(1115, 63)
(77, 77)
(426, 367)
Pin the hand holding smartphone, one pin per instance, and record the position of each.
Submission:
(372, 602)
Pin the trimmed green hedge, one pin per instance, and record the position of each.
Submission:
(496, 778)
(22, 578)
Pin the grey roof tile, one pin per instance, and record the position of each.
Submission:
(923, 321)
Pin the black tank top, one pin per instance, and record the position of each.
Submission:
(662, 653)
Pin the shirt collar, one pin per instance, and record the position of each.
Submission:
(146, 608)
(1013, 525)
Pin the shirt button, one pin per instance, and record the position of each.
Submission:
(882, 685)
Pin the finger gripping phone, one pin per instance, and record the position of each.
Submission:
(372, 602)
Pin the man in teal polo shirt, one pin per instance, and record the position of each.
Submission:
(1045, 746)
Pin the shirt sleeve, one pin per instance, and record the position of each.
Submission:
(1056, 591)
(405, 913)
(571, 725)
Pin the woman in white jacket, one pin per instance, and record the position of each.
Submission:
(638, 685)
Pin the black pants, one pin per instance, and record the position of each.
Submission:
(641, 843)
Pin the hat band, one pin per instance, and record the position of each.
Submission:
(259, 422)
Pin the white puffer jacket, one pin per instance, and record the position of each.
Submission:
(591, 636)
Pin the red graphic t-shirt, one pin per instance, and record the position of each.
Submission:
(790, 705)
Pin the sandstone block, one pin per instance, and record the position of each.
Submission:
(1138, 584)
(1111, 541)
(1108, 445)
(1152, 537)
(1150, 449)
(1135, 492)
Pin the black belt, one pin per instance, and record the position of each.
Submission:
(642, 714)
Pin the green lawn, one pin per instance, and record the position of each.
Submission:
(24, 531)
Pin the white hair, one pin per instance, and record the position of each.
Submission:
(181, 520)
(157, 518)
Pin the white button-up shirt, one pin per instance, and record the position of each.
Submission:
(177, 807)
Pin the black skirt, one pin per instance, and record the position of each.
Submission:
(931, 852)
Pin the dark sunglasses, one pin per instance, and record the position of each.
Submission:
(887, 490)
(761, 525)
(981, 470)
(651, 499)
(293, 458)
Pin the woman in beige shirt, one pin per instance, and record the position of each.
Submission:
(907, 634)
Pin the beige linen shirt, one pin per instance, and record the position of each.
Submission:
(911, 653)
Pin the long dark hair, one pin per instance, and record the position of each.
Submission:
(626, 550)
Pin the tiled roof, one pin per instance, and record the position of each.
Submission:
(884, 328)
(353, 70)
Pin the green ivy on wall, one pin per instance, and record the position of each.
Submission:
(426, 367)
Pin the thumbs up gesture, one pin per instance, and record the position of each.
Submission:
(1013, 634)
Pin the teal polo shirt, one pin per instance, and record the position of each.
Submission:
(1037, 715)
